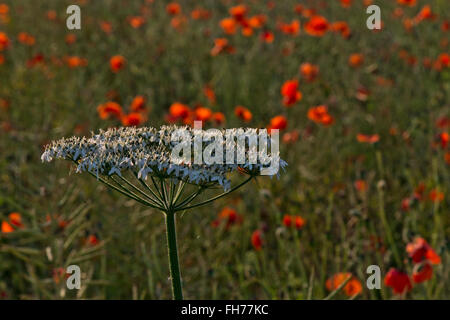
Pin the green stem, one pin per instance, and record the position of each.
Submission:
(146, 186)
(178, 208)
(154, 201)
(156, 187)
(179, 192)
(189, 198)
(173, 186)
(387, 228)
(125, 192)
(382, 213)
(175, 275)
(163, 193)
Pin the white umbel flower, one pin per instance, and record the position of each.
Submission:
(148, 151)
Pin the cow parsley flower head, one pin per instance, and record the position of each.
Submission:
(149, 151)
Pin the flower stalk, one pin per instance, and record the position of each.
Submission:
(175, 274)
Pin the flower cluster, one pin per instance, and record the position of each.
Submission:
(423, 257)
(14, 222)
(147, 151)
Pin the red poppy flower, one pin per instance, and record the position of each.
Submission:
(291, 137)
(133, 119)
(267, 37)
(406, 203)
(257, 21)
(299, 222)
(309, 71)
(342, 28)
(352, 288)
(109, 109)
(290, 93)
(425, 14)
(320, 115)
(178, 22)
(60, 221)
(59, 274)
(209, 93)
(106, 27)
(92, 240)
(298, 8)
(4, 41)
(287, 220)
(238, 12)
(444, 59)
(173, 8)
(221, 45)
(138, 104)
(317, 26)
(6, 227)
(420, 250)
(419, 191)
(117, 63)
(4, 9)
(203, 114)
(179, 111)
(16, 219)
(336, 280)
(445, 26)
(422, 272)
(37, 59)
(292, 28)
(75, 61)
(443, 122)
(278, 122)
(218, 118)
(346, 3)
(26, 39)
(361, 185)
(398, 281)
(356, 60)
(410, 3)
(229, 25)
(51, 15)
(363, 138)
(70, 38)
(243, 113)
(230, 216)
(200, 14)
(256, 240)
(447, 157)
(136, 22)
(444, 139)
(436, 195)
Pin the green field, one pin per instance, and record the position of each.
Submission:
(366, 177)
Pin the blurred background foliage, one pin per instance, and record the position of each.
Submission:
(120, 245)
